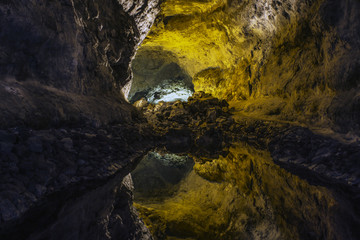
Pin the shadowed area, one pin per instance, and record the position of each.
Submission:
(238, 119)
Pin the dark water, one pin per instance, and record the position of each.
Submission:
(241, 195)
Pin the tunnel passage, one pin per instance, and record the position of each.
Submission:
(68, 139)
(158, 76)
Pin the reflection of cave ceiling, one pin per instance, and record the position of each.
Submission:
(288, 59)
(251, 199)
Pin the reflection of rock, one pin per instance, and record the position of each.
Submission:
(300, 149)
(204, 126)
(246, 196)
(157, 175)
(199, 124)
(64, 173)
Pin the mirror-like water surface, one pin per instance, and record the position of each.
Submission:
(242, 195)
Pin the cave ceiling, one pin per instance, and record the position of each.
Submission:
(278, 59)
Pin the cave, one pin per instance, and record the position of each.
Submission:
(179, 119)
(157, 77)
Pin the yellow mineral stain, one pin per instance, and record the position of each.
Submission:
(255, 60)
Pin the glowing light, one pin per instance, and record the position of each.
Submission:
(171, 97)
(169, 92)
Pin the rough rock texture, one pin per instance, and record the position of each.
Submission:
(285, 59)
(237, 190)
(206, 126)
(158, 174)
(77, 47)
(144, 13)
(68, 137)
(155, 68)
(50, 178)
(199, 125)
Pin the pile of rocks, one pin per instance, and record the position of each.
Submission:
(200, 124)
(205, 125)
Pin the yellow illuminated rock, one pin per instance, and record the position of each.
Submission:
(250, 198)
(273, 59)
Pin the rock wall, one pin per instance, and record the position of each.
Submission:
(67, 135)
(237, 188)
(67, 183)
(51, 50)
(287, 59)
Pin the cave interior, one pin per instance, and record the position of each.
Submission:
(180, 119)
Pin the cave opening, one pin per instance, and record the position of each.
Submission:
(158, 76)
(242, 120)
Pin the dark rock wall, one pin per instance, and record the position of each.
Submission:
(78, 46)
(67, 135)
(63, 183)
(61, 47)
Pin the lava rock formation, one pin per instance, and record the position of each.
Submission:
(280, 76)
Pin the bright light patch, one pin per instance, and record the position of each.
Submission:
(169, 91)
(173, 96)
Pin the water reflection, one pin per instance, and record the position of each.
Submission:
(158, 175)
(242, 195)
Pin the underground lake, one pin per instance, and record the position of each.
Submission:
(179, 120)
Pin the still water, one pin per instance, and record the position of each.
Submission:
(241, 194)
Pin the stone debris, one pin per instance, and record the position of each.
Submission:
(205, 126)
(200, 124)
